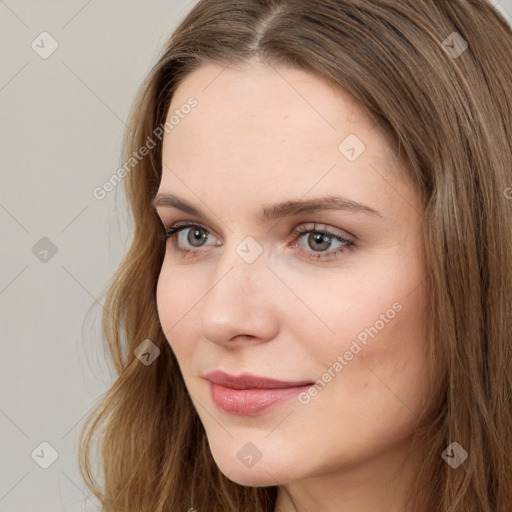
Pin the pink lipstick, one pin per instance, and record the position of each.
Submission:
(249, 395)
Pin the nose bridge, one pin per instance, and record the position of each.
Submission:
(241, 269)
(236, 302)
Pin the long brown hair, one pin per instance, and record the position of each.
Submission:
(446, 110)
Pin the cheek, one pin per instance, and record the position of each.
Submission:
(174, 303)
(380, 340)
(164, 301)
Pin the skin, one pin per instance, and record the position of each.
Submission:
(262, 134)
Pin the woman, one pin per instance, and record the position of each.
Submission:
(314, 313)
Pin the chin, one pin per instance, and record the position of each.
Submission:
(251, 478)
(260, 474)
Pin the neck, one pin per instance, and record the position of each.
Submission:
(378, 484)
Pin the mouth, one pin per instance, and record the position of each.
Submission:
(249, 395)
(249, 381)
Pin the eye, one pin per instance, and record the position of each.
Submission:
(320, 239)
(183, 233)
(190, 234)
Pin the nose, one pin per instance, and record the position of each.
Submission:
(241, 303)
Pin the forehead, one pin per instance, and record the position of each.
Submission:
(271, 129)
(260, 102)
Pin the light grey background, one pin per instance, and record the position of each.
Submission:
(62, 121)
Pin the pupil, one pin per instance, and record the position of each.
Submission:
(196, 236)
(320, 238)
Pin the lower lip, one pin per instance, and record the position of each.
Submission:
(250, 402)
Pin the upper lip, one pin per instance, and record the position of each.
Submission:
(248, 381)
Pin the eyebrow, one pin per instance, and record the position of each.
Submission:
(276, 210)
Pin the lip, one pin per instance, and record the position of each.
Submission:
(249, 381)
(249, 395)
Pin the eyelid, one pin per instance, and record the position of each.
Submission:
(316, 225)
(298, 232)
(320, 226)
(175, 226)
(300, 229)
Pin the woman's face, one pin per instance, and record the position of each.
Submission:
(259, 298)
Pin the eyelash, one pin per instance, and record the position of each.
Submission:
(175, 229)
